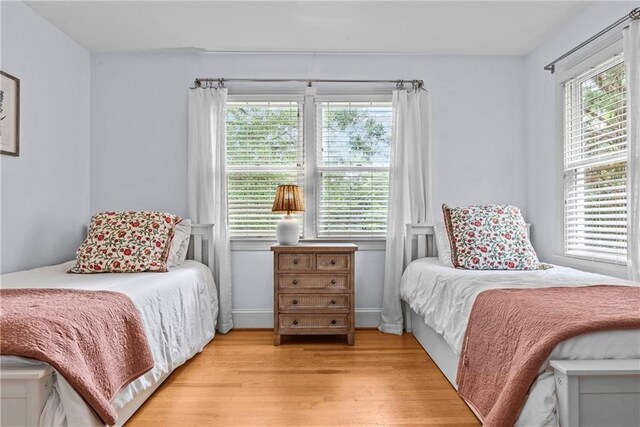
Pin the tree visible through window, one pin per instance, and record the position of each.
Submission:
(265, 148)
(354, 140)
(595, 163)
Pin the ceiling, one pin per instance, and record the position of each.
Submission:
(434, 27)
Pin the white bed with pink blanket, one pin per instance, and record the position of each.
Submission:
(178, 310)
(439, 301)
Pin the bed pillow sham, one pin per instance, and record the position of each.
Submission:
(442, 243)
(489, 237)
(180, 243)
(126, 242)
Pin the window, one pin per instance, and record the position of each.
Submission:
(346, 177)
(595, 163)
(264, 149)
(354, 141)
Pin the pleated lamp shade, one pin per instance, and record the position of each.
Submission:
(288, 199)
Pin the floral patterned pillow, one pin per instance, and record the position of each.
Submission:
(126, 242)
(489, 237)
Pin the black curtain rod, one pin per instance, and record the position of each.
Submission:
(634, 14)
(221, 81)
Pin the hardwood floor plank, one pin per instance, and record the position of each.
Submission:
(242, 379)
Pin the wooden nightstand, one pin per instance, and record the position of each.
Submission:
(313, 290)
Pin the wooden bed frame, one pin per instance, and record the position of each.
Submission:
(24, 390)
(589, 392)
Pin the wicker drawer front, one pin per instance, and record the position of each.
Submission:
(295, 262)
(313, 281)
(313, 321)
(333, 261)
(311, 302)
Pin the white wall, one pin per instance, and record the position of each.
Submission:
(544, 196)
(139, 119)
(45, 191)
(139, 134)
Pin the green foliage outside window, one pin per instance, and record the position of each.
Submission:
(595, 162)
(265, 149)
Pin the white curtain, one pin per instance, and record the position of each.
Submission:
(409, 192)
(631, 37)
(207, 184)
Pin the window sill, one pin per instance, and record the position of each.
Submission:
(592, 266)
(264, 244)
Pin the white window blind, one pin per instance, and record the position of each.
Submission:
(264, 150)
(595, 162)
(353, 151)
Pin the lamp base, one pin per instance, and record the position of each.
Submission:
(288, 231)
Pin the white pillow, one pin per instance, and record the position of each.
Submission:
(443, 245)
(180, 243)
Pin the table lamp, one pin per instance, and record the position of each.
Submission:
(288, 200)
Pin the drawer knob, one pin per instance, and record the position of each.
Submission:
(295, 261)
(333, 261)
(295, 301)
(333, 301)
(333, 281)
(333, 321)
(295, 322)
(295, 282)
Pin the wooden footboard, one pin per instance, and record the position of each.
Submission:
(23, 394)
(598, 392)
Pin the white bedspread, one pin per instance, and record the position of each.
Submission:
(443, 297)
(178, 309)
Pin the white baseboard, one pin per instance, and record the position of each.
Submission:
(368, 317)
(263, 319)
(243, 318)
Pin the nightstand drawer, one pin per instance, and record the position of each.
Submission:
(313, 302)
(313, 281)
(295, 261)
(333, 261)
(313, 321)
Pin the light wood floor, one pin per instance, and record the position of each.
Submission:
(242, 379)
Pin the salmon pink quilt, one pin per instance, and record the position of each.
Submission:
(511, 332)
(95, 339)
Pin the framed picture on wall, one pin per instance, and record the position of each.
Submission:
(9, 114)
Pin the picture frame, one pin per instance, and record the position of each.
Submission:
(9, 114)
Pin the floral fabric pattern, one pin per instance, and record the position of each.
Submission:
(126, 242)
(489, 237)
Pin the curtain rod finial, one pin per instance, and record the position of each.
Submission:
(635, 13)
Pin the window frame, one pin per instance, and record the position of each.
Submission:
(582, 63)
(267, 169)
(318, 170)
(309, 103)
